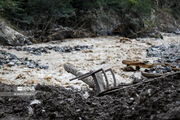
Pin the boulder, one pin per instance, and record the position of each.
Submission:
(9, 36)
(60, 33)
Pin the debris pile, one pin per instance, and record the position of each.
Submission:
(169, 57)
(168, 60)
(155, 100)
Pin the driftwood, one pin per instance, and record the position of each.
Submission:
(151, 75)
(116, 89)
(144, 64)
(89, 81)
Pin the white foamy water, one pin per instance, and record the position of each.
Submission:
(107, 52)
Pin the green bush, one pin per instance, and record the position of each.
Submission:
(9, 6)
(37, 12)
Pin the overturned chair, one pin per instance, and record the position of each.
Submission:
(98, 81)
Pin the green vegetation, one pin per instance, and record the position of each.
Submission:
(43, 13)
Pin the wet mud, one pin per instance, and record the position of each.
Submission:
(155, 100)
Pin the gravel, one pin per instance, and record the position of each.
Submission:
(166, 54)
(10, 60)
(40, 50)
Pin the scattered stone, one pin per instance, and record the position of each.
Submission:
(12, 60)
(167, 55)
(35, 102)
(45, 50)
(155, 34)
(177, 32)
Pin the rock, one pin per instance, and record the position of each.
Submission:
(60, 33)
(155, 34)
(12, 60)
(40, 50)
(165, 22)
(129, 69)
(11, 64)
(35, 102)
(1, 100)
(2, 115)
(9, 36)
(168, 55)
(43, 67)
(30, 110)
(80, 33)
(177, 32)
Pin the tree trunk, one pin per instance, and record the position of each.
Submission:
(71, 69)
(99, 86)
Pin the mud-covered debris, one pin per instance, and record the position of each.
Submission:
(155, 100)
(130, 68)
(169, 54)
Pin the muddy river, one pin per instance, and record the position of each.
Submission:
(42, 64)
(104, 52)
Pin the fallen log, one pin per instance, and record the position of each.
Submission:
(89, 81)
(73, 70)
(145, 64)
(116, 89)
(134, 63)
(151, 75)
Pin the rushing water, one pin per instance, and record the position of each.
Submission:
(107, 52)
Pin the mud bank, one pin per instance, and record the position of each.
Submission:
(156, 100)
